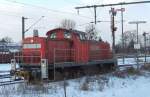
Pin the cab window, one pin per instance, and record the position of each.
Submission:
(67, 35)
(53, 35)
(82, 36)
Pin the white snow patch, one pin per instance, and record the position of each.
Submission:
(133, 86)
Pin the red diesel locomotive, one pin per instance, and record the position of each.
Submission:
(62, 51)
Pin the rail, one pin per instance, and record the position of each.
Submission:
(11, 82)
(7, 79)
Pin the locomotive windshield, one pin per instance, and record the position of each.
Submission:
(53, 35)
(32, 46)
(82, 36)
(67, 35)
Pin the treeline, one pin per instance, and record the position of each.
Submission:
(6, 40)
(126, 44)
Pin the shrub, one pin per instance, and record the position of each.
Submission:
(120, 74)
(146, 67)
(85, 86)
(133, 71)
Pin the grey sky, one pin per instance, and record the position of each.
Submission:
(56, 10)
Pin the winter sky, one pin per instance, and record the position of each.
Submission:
(54, 11)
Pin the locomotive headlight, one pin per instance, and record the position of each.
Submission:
(43, 65)
(31, 40)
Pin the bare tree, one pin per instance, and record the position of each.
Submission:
(91, 32)
(6, 40)
(68, 24)
(128, 37)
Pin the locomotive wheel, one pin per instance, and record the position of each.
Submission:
(35, 76)
(58, 75)
(90, 70)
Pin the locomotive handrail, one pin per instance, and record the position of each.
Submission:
(64, 49)
(29, 57)
(64, 55)
(100, 49)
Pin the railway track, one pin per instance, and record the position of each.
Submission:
(6, 79)
(11, 82)
(7, 71)
(5, 76)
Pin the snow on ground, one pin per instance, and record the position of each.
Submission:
(97, 86)
(5, 67)
(116, 87)
(133, 60)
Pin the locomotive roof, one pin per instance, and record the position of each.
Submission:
(71, 31)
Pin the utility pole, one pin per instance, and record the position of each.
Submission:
(65, 94)
(137, 27)
(113, 28)
(137, 45)
(95, 14)
(144, 34)
(23, 27)
(122, 10)
(114, 4)
(107, 5)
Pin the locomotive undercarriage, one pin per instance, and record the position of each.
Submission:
(80, 71)
(59, 71)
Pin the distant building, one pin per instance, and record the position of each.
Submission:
(9, 47)
(7, 51)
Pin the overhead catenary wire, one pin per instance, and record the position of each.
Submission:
(102, 21)
(19, 3)
(5, 14)
(34, 23)
(48, 9)
(4, 10)
(114, 4)
(83, 24)
(72, 2)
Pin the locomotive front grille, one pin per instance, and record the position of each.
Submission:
(28, 57)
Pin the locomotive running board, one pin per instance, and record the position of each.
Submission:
(72, 64)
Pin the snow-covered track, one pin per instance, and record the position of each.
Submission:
(11, 82)
(5, 76)
(6, 71)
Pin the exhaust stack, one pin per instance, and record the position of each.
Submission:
(35, 33)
